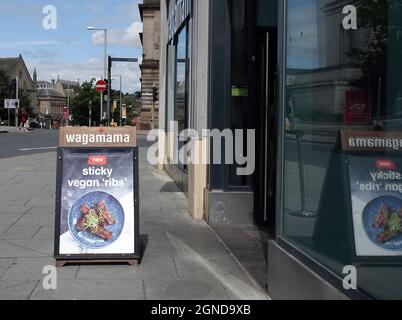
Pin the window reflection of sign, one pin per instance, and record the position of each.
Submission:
(357, 107)
(376, 189)
(366, 141)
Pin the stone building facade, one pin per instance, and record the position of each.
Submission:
(16, 67)
(150, 38)
(51, 103)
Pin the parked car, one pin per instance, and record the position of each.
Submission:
(33, 123)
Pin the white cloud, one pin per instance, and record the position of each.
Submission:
(95, 61)
(128, 37)
(18, 44)
(131, 36)
(93, 68)
(94, 6)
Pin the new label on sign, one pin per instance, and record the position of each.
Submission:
(97, 195)
(101, 86)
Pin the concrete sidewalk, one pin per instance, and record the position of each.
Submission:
(183, 259)
(7, 129)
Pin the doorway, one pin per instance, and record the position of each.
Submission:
(266, 126)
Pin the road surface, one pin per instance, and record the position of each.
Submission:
(15, 144)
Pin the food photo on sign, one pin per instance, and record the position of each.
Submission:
(97, 203)
(376, 186)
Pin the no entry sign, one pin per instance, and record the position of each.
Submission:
(101, 86)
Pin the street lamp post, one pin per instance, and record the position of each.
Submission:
(90, 28)
(121, 99)
(90, 113)
(17, 87)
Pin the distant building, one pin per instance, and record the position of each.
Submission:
(51, 103)
(69, 89)
(150, 38)
(16, 67)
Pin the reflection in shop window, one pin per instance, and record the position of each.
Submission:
(181, 80)
(340, 80)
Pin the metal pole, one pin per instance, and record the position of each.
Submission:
(153, 106)
(101, 107)
(110, 88)
(105, 57)
(104, 72)
(153, 115)
(303, 212)
(16, 97)
(121, 100)
(90, 114)
(68, 103)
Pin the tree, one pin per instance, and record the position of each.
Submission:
(381, 20)
(25, 101)
(80, 104)
(5, 93)
(133, 103)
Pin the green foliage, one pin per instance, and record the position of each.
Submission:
(5, 93)
(80, 104)
(25, 101)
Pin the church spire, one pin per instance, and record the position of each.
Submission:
(35, 76)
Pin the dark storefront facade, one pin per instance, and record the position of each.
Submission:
(320, 82)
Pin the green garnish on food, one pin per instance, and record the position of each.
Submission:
(91, 220)
(395, 223)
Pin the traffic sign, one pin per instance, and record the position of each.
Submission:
(66, 113)
(101, 86)
(11, 103)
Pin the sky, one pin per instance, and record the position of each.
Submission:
(70, 51)
(302, 46)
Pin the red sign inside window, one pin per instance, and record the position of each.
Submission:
(357, 107)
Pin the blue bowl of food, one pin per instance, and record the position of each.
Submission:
(96, 220)
(382, 221)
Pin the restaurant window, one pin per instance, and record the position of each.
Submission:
(342, 161)
(181, 87)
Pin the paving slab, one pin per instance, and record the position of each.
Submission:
(9, 219)
(183, 259)
(4, 265)
(36, 201)
(151, 267)
(45, 233)
(42, 210)
(14, 210)
(26, 269)
(42, 247)
(11, 250)
(93, 289)
(36, 220)
(16, 290)
(184, 289)
(18, 232)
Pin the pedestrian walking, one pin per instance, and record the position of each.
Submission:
(24, 120)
